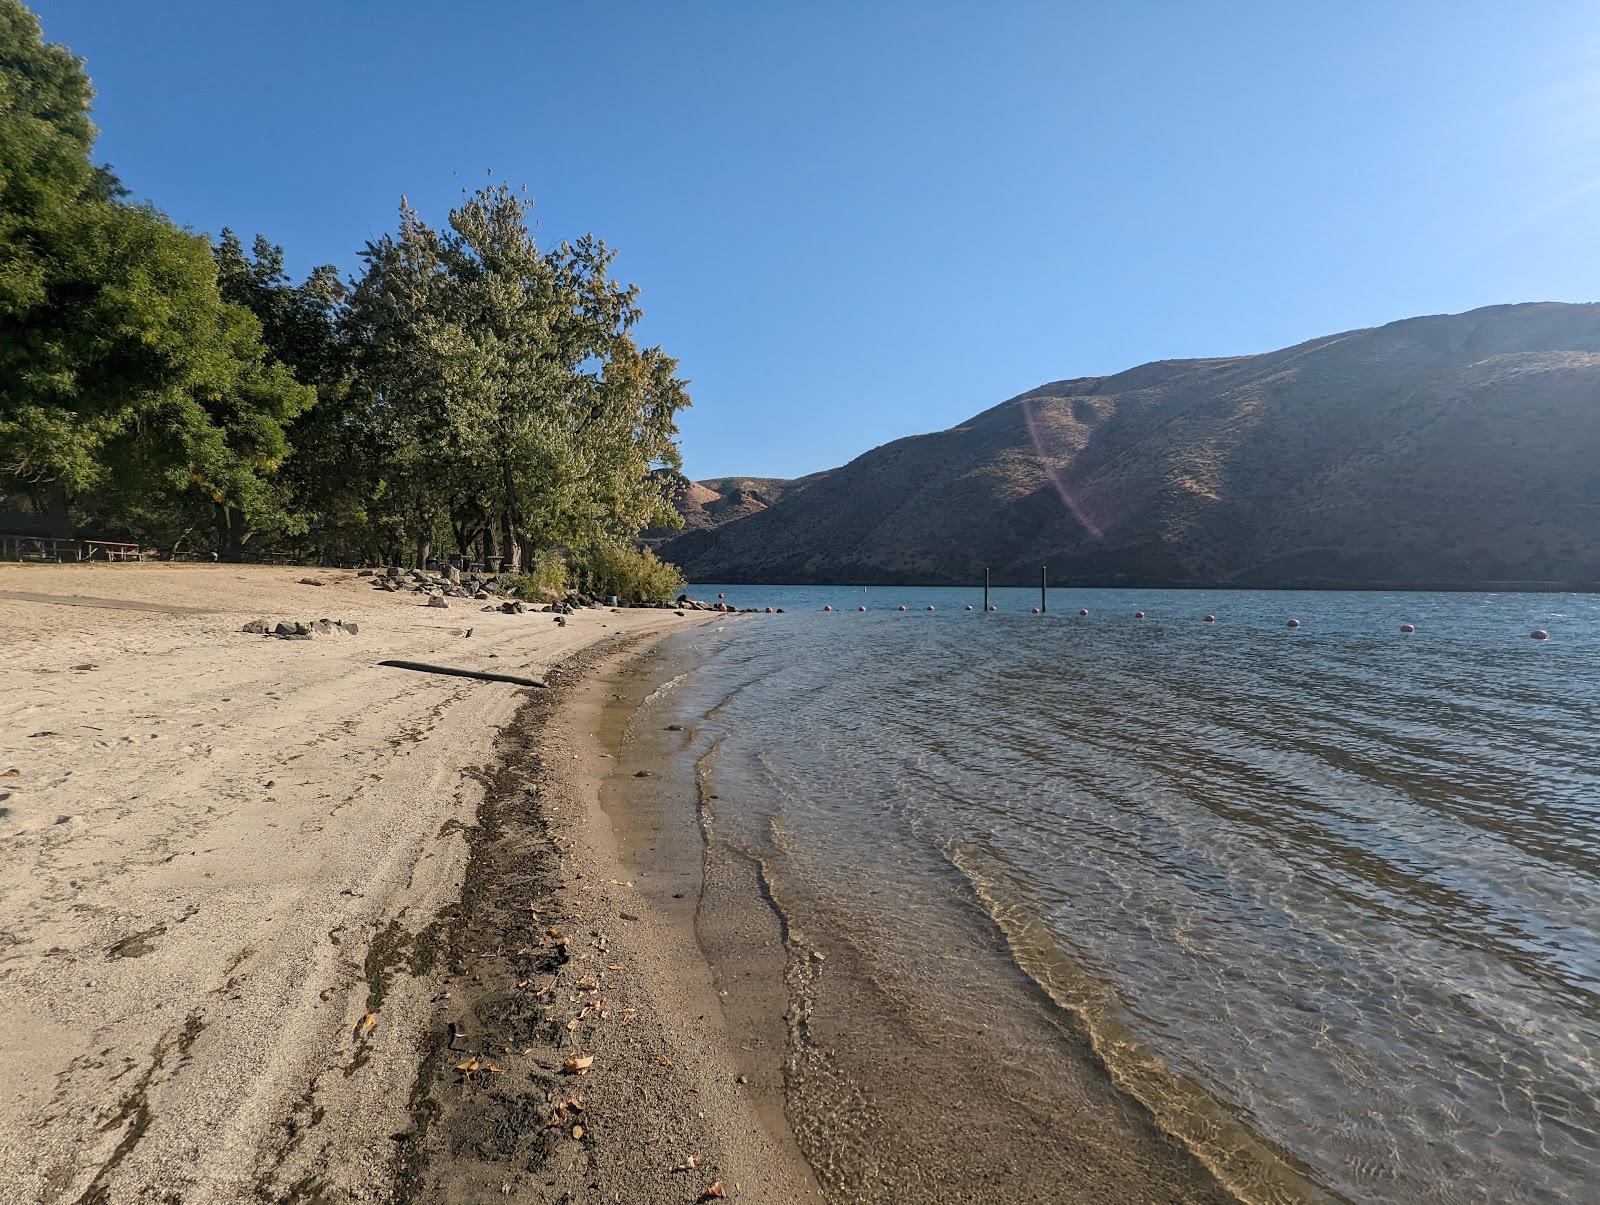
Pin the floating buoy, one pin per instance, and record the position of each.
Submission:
(969, 606)
(1033, 610)
(1138, 614)
(769, 610)
(1540, 634)
(1294, 623)
(930, 606)
(1408, 628)
(828, 608)
(901, 607)
(992, 607)
(861, 608)
(1211, 619)
(722, 596)
(1082, 613)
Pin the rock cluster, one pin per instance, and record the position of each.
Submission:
(685, 603)
(299, 629)
(447, 583)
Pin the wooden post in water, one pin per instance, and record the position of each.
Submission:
(986, 591)
(1042, 607)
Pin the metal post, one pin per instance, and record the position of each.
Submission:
(1042, 607)
(985, 591)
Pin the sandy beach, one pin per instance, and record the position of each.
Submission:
(238, 915)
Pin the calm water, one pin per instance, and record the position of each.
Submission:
(1326, 899)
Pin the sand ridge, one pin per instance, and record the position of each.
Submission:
(223, 863)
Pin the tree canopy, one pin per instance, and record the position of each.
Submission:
(467, 389)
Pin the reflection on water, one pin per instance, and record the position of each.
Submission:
(1327, 898)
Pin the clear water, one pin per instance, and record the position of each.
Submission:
(1326, 897)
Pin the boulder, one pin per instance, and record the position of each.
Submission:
(351, 628)
(323, 627)
(452, 574)
(255, 627)
(312, 581)
(393, 571)
(437, 600)
(364, 572)
(283, 629)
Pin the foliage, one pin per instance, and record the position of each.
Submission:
(128, 387)
(547, 571)
(633, 574)
(468, 387)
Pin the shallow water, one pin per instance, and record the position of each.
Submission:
(1325, 902)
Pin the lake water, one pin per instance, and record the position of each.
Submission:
(1325, 902)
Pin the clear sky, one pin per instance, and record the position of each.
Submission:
(857, 221)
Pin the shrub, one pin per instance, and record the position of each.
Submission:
(547, 572)
(633, 575)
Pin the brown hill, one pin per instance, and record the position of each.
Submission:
(1450, 451)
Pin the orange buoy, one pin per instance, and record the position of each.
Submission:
(1294, 623)
(1408, 627)
(1540, 634)
(1211, 619)
(829, 607)
(1138, 614)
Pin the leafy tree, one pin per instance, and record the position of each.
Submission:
(128, 388)
(509, 403)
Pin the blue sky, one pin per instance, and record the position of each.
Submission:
(857, 221)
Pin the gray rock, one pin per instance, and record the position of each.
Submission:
(323, 627)
(363, 572)
(311, 581)
(393, 571)
(283, 629)
(351, 628)
(437, 600)
(255, 627)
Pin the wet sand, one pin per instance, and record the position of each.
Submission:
(888, 1098)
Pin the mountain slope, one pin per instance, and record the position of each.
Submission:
(1452, 451)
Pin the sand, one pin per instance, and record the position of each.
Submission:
(231, 895)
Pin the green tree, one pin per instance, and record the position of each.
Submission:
(129, 391)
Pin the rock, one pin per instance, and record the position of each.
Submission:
(302, 629)
(255, 627)
(679, 614)
(323, 627)
(393, 571)
(364, 572)
(312, 581)
(641, 773)
(561, 621)
(352, 628)
(437, 600)
(452, 574)
(283, 629)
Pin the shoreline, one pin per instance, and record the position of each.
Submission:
(555, 956)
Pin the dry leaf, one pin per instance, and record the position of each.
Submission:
(577, 1066)
(577, 1131)
(572, 1024)
(715, 1192)
(688, 1165)
(365, 1024)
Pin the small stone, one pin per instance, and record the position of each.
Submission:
(437, 600)
(311, 581)
(351, 628)
(641, 773)
(255, 627)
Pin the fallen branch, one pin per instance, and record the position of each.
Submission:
(463, 673)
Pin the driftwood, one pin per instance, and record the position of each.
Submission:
(422, 668)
